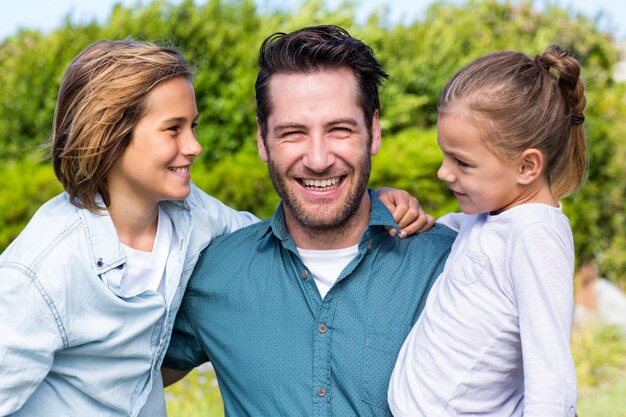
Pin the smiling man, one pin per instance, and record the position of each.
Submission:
(304, 314)
(317, 145)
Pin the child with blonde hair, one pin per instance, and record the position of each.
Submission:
(494, 337)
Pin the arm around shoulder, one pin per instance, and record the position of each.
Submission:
(225, 218)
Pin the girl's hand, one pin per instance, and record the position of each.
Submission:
(406, 211)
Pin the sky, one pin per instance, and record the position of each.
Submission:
(48, 14)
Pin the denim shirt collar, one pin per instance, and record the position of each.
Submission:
(105, 249)
(379, 216)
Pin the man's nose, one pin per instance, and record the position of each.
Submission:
(319, 155)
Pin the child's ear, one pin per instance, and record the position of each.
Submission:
(530, 166)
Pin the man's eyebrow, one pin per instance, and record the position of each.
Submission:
(343, 120)
(284, 126)
(347, 120)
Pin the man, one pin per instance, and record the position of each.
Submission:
(304, 314)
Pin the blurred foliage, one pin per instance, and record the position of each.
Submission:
(409, 160)
(196, 395)
(24, 186)
(221, 39)
(598, 352)
(240, 179)
(606, 400)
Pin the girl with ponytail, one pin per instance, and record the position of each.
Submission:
(494, 337)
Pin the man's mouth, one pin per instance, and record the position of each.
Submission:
(320, 184)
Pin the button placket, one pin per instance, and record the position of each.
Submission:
(321, 357)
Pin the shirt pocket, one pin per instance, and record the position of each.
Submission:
(381, 352)
(468, 267)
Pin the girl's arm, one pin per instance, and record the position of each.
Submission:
(406, 211)
(542, 267)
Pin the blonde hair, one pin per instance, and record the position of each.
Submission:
(521, 104)
(101, 99)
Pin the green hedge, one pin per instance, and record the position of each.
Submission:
(221, 38)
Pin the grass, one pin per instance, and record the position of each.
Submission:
(600, 357)
(195, 396)
(607, 400)
(597, 353)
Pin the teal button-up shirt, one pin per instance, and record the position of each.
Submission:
(253, 309)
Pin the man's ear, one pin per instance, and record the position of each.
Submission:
(260, 143)
(376, 134)
(530, 166)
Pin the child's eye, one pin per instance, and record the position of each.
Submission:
(461, 163)
(174, 128)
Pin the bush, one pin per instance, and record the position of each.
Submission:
(240, 181)
(597, 352)
(222, 38)
(24, 186)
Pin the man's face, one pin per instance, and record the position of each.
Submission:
(318, 146)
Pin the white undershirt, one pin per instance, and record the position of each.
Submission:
(326, 265)
(146, 270)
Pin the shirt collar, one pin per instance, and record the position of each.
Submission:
(105, 249)
(379, 216)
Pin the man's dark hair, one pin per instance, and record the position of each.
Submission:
(318, 48)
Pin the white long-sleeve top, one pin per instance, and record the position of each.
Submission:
(494, 337)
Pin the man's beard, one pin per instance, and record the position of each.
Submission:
(321, 220)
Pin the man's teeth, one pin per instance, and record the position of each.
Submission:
(181, 169)
(327, 184)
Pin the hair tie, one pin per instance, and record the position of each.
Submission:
(540, 64)
(578, 118)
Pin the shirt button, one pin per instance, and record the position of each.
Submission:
(369, 245)
(304, 274)
(322, 328)
(321, 392)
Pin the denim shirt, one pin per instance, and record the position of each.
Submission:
(278, 348)
(71, 343)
